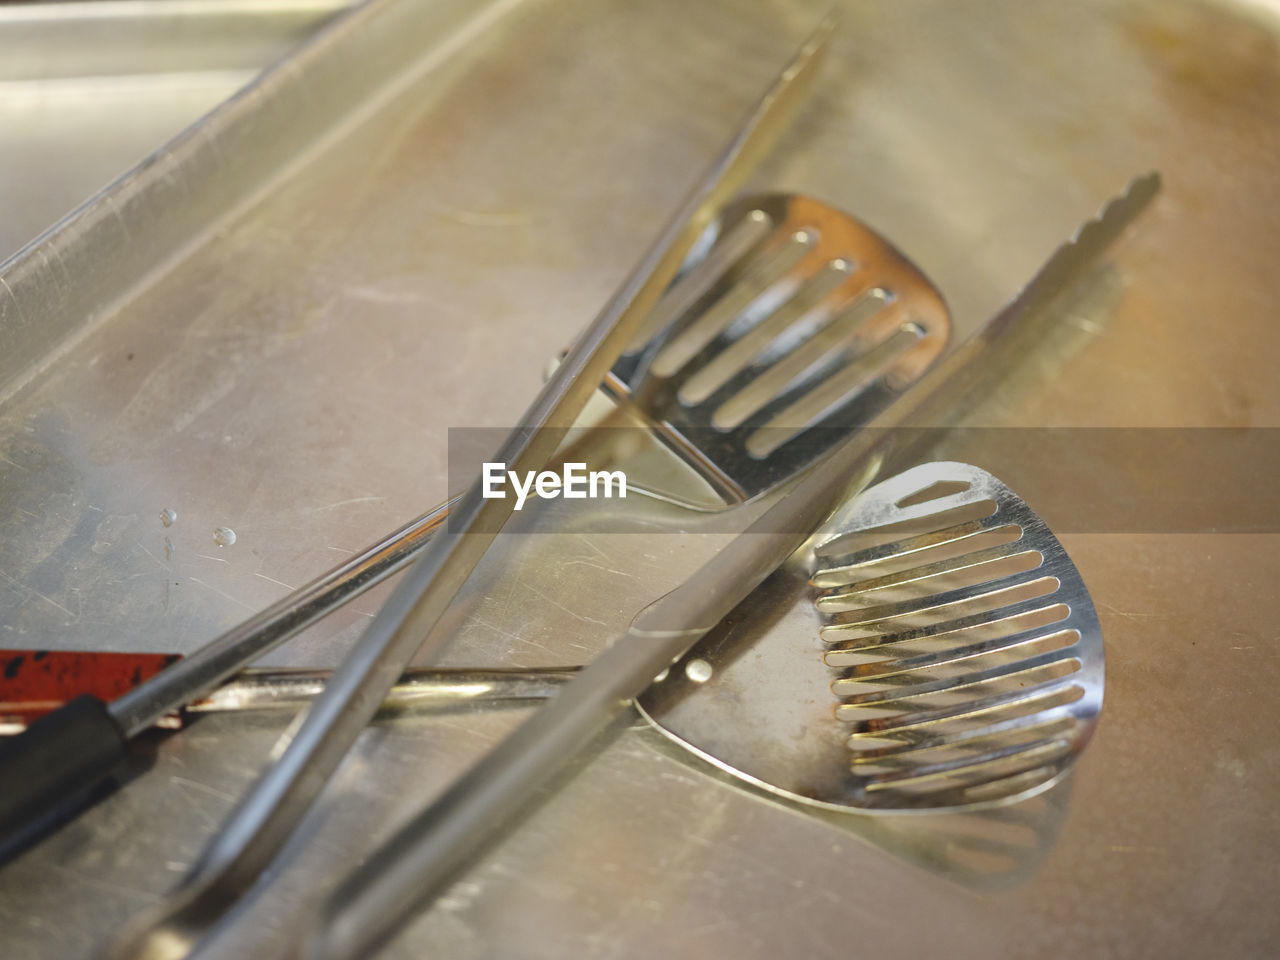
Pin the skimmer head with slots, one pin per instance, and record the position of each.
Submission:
(933, 647)
(789, 324)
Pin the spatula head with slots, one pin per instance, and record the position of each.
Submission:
(934, 647)
(789, 324)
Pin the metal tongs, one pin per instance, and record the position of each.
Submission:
(416, 864)
(428, 852)
(268, 814)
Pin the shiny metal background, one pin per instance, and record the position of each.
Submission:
(270, 326)
(89, 89)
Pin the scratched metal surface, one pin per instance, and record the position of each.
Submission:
(292, 373)
(89, 89)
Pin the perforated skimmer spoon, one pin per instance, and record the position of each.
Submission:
(934, 648)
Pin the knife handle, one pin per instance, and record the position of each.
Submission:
(55, 760)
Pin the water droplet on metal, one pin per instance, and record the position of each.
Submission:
(698, 670)
(168, 517)
(224, 536)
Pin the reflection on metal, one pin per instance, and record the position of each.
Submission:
(986, 848)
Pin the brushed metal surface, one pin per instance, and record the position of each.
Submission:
(87, 90)
(288, 367)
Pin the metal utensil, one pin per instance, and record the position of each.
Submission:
(420, 860)
(793, 324)
(267, 815)
(959, 644)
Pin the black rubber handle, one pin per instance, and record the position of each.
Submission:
(55, 760)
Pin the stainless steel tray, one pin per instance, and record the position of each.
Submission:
(89, 89)
(271, 324)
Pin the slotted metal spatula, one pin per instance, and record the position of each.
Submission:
(939, 650)
(790, 317)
